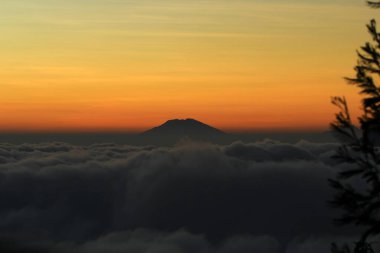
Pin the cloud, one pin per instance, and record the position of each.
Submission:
(181, 241)
(269, 150)
(322, 244)
(254, 197)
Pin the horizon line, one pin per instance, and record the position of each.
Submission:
(136, 132)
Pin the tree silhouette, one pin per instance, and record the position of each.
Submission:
(357, 190)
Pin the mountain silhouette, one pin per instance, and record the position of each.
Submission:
(176, 130)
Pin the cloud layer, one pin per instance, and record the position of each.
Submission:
(256, 197)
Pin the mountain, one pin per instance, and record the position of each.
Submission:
(176, 130)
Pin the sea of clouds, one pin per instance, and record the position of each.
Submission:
(263, 197)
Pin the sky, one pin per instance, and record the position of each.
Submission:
(115, 65)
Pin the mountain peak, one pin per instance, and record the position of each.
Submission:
(182, 122)
(177, 129)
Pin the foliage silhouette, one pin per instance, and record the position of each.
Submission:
(357, 190)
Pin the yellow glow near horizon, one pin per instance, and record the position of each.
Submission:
(130, 65)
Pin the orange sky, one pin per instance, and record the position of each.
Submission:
(130, 65)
